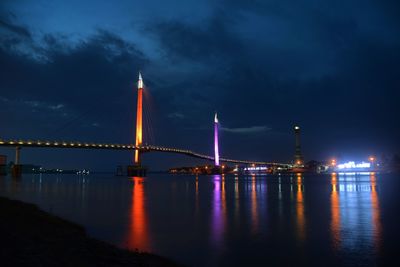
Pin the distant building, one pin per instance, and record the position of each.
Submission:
(252, 169)
(30, 168)
(204, 169)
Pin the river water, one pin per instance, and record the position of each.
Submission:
(279, 220)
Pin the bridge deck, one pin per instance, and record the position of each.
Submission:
(146, 148)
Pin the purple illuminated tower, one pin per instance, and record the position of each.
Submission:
(216, 147)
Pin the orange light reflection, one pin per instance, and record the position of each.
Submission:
(376, 221)
(138, 237)
(335, 212)
(254, 208)
(300, 209)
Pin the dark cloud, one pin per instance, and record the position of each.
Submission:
(331, 67)
(247, 130)
(19, 30)
(85, 80)
(206, 42)
(330, 81)
(176, 115)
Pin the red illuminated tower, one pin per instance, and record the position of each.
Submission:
(139, 119)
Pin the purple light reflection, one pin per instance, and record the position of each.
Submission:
(218, 211)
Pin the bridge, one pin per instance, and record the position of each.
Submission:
(138, 147)
(18, 144)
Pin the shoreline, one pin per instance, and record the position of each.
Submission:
(33, 237)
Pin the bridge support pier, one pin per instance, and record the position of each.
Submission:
(136, 170)
(17, 155)
(16, 169)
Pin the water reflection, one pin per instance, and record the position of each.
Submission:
(254, 208)
(355, 212)
(15, 184)
(237, 202)
(218, 210)
(225, 220)
(138, 236)
(197, 196)
(335, 212)
(300, 208)
(376, 220)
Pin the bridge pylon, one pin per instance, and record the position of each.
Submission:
(216, 145)
(137, 169)
(139, 119)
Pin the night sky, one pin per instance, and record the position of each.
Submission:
(68, 71)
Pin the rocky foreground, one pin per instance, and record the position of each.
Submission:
(32, 237)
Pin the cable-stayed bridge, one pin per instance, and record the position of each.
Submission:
(138, 147)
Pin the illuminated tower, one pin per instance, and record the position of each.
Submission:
(216, 147)
(298, 157)
(139, 119)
